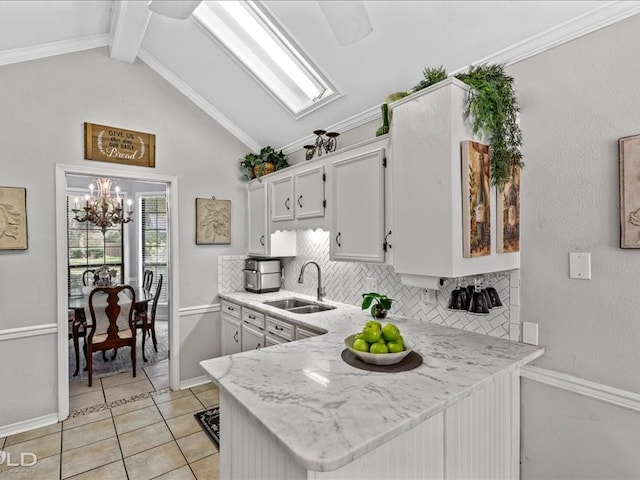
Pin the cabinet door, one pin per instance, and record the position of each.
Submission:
(310, 193)
(252, 339)
(282, 202)
(258, 239)
(358, 208)
(231, 335)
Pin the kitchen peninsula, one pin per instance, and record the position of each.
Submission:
(297, 410)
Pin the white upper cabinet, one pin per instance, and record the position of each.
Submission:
(282, 200)
(298, 196)
(357, 206)
(426, 132)
(258, 237)
(309, 190)
(260, 240)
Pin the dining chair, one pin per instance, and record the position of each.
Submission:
(87, 277)
(112, 324)
(146, 321)
(76, 330)
(147, 279)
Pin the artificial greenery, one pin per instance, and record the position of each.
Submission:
(493, 105)
(380, 307)
(253, 165)
(432, 75)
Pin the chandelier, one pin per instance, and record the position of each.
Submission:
(103, 210)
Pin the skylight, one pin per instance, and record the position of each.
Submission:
(260, 45)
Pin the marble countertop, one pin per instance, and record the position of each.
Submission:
(326, 413)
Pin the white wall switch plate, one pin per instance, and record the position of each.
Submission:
(370, 284)
(530, 333)
(580, 265)
(429, 297)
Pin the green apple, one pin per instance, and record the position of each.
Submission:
(360, 345)
(395, 347)
(373, 322)
(371, 333)
(390, 332)
(379, 348)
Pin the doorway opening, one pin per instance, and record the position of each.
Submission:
(148, 244)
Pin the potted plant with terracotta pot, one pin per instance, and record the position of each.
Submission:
(255, 165)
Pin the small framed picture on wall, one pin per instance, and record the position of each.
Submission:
(13, 218)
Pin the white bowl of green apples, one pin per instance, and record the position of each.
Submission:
(379, 345)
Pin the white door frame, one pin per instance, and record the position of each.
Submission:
(171, 183)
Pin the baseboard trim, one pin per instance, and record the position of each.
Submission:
(194, 382)
(32, 331)
(199, 310)
(30, 424)
(580, 386)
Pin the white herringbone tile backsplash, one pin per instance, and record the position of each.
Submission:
(345, 282)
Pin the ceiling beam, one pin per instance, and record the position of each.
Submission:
(129, 21)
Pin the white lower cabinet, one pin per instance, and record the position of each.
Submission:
(231, 335)
(302, 333)
(252, 338)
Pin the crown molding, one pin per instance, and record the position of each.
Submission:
(596, 19)
(367, 116)
(196, 98)
(608, 14)
(25, 54)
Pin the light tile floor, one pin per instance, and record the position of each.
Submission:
(122, 428)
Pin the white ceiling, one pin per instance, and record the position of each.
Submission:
(406, 37)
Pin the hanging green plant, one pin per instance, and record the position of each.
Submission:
(493, 105)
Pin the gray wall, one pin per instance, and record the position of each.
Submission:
(44, 104)
(576, 101)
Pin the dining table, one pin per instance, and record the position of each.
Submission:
(77, 303)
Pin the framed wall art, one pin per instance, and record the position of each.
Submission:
(629, 148)
(213, 221)
(476, 200)
(508, 213)
(13, 218)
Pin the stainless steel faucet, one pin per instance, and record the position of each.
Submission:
(320, 287)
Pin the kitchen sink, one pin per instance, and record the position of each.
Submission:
(297, 305)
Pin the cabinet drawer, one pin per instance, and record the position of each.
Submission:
(231, 309)
(253, 317)
(274, 339)
(280, 328)
(302, 333)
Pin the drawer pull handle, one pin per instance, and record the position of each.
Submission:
(235, 336)
(262, 240)
(252, 317)
(286, 203)
(300, 201)
(338, 239)
(278, 327)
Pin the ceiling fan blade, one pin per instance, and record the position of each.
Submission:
(348, 20)
(173, 8)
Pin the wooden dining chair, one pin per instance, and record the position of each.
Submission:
(76, 330)
(146, 320)
(87, 277)
(112, 323)
(147, 279)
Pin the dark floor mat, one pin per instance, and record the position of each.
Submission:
(209, 420)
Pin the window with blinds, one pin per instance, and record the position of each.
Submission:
(154, 241)
(88, 249)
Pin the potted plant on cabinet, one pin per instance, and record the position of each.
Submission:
(493, 106)
(381, 306)
(254, 165)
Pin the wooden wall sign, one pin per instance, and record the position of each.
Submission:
(111, 144)
(476, 200)
(629, 191)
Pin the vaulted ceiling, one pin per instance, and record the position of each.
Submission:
(406, 37)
